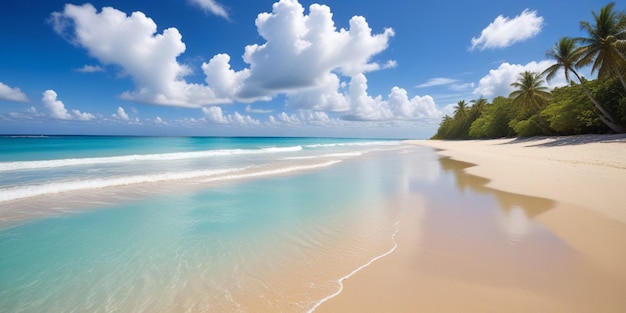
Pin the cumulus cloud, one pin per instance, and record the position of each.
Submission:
(303, 118)
(398, 105)
(504, 31)
(212, 6)
(215, 115)
(498, 81)
(121, 114)
(326, 96)
(131, 42)
(318, 67)
(300, 52)
(90, 69)
(57, 108)
(13, 94)
(284, 118)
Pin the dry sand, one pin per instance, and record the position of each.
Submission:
(584, 175)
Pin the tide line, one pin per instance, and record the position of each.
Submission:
(342, 279)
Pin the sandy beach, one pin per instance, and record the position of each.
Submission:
(581, 179)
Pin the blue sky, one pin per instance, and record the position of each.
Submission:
(266, 68)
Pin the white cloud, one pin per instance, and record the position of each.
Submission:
(303, 118)
(326, 96)
(149, 58)
(415, 108)
(121, 114)
(212, 6)
(300, 52)
(390, 64)
(82, 116)
(249, 109)
(57, 108)
(503, 31)
(363, 106)
(28, 114)
(284, 118)
(90, 69)
(464, 86)
(437, 81)
(498, 81)
(214, 114)
(304, 57)
(225, 82)
(398, 106)
(13, 94)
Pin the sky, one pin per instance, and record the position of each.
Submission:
(390, 69)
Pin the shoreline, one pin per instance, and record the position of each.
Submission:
(341, 280)
(513, 165)
(584, 177)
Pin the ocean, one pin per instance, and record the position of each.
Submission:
(174, 224)
(203, 224)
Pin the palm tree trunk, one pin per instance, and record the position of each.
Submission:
(604, 115)
(619, 74)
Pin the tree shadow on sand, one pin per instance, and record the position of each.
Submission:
(543, 141)
(532, 206)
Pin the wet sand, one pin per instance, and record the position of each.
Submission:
(572, 186)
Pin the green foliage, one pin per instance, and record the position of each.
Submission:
(613, 96)
(530, 94)
(534, 126)
(601, 47)
(457, 127)
(572, 113)
(596, 106)
(494, 120)
(568, 112)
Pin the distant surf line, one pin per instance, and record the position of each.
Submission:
(27, 191)
(27, 165)
(57, 163)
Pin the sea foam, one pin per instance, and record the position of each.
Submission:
(24, 165)
(20, 192)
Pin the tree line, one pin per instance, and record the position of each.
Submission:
(582, 107)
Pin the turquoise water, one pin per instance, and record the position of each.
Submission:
(37, 166)
(275, 231)
(130, 224)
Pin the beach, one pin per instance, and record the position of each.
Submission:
(171, 224)
(574, 186)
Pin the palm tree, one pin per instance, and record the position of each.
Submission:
(567, 54)
(530, 95)
(460, 110)
(478, 106)
(606, 43)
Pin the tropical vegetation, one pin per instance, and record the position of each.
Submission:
(582, 107)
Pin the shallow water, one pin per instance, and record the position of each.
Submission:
(253, 243)
(279, 241)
